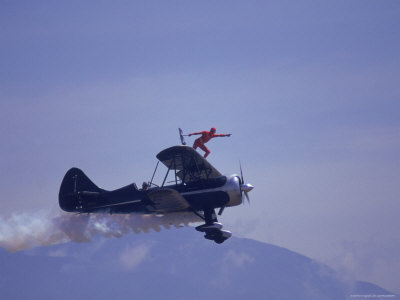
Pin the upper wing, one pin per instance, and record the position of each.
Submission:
(188, 163)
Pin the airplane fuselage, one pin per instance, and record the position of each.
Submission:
(223, 191)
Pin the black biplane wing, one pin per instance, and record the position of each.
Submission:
(188, 164)
(110, 205)
(167, 200)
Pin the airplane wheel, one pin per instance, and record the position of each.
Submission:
(219, 241)
(209, 237)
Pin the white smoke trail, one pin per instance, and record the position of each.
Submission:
(23, 231)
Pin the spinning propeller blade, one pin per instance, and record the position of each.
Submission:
(244, 188)
(241, 172)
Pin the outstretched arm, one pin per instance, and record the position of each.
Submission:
(221, 135)
(195, 133)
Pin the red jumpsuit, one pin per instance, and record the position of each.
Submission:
(205, 137)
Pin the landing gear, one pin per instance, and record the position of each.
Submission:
(213, 228)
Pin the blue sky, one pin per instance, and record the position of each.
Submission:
(309, 91)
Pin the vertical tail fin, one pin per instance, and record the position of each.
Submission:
(74, 181)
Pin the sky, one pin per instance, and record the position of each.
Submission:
(309, 91)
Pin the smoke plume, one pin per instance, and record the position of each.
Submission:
(23, 231)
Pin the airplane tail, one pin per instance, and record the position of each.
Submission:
(74, 183)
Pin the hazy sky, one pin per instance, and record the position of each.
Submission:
(310, 91)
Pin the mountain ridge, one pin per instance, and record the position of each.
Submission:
(171, 264)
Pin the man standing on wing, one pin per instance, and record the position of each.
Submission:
(205, 137)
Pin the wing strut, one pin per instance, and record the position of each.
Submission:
(199, 215)
(166, 175)
(154, 173)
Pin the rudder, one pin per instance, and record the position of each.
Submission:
(74, 181)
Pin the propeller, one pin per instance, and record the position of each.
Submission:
(244, 187)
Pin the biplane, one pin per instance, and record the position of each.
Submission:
(197, 187)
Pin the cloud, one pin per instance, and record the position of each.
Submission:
(131, 257)
(375, 260)
(58, 253)
(237, 259)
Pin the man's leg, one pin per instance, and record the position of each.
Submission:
(196, 144)
(204, 148)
